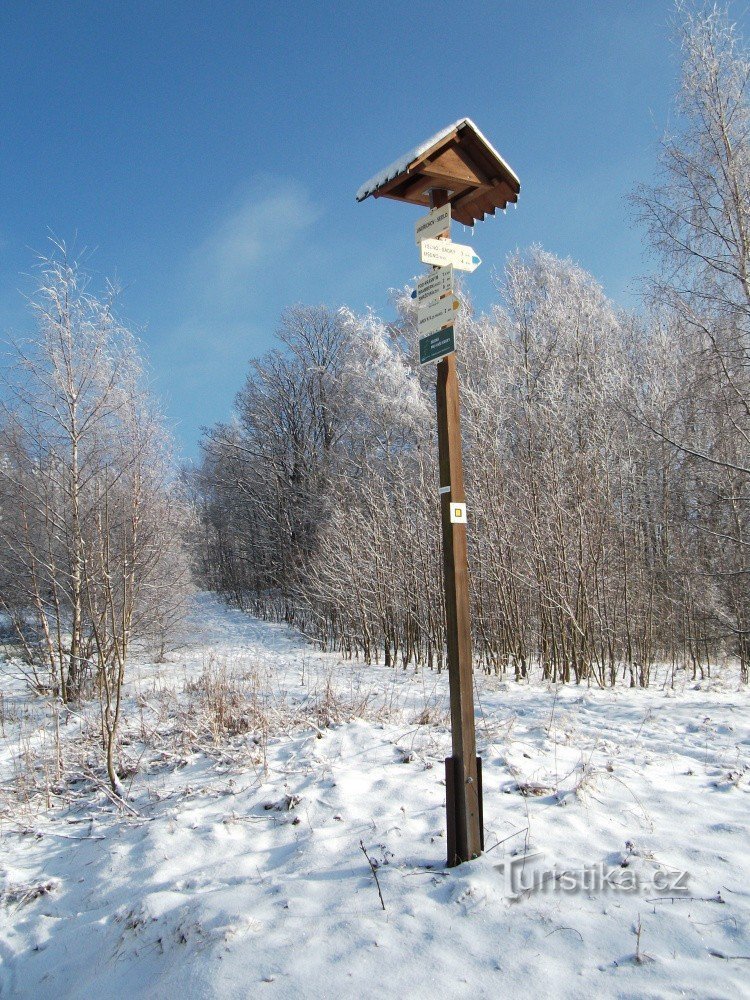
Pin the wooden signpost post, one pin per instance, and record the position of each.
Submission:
(457, 174)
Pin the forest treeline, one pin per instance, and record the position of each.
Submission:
(607, 453)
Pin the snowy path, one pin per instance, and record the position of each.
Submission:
(208, 892)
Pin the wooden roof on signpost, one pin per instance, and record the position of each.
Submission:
(459, 159)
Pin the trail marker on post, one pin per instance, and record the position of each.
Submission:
(460, 170)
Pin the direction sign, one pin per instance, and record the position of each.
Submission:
(435, 315)
(435, 223)
(436, 346)
(433, 285)
(444, 252)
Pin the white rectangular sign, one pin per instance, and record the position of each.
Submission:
(458, 513)
(435, 223)
(434, 317)
(444, 252)
(434, 285)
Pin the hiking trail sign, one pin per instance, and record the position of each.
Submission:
(434, 285)
(436, 346)
(442, 252)
(436, 314)
(435, 223)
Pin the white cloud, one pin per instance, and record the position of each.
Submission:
(257, 229)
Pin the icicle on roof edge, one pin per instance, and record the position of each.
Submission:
(400, 165)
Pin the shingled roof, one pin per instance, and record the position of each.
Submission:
(458, 158)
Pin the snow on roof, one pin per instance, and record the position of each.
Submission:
(402, 163)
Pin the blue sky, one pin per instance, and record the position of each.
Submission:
(210, 152)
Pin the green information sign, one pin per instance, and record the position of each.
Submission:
(436, 345)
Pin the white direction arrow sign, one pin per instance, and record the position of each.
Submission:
(434, 285)
(435, 316)
(444, 252)
(435, 223)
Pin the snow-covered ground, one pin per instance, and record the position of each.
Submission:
(257, 767)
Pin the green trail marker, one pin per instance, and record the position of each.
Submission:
(436, 345)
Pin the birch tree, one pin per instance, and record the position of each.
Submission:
(91, 520)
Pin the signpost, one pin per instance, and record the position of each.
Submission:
(443, 252)
(458, 171)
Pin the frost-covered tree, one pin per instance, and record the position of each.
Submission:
(698, 218)
(90, 525)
